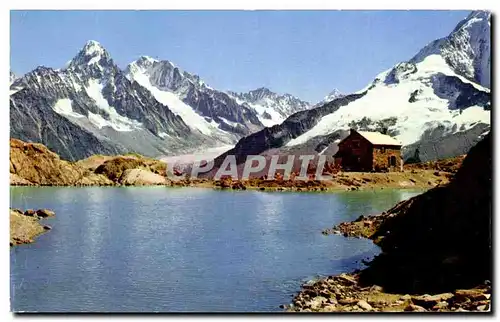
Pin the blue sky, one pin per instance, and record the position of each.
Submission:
(304, 53)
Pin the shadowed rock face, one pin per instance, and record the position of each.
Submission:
(446, 86)
(440, 240)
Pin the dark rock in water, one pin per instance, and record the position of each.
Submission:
(44, 213)
(239, 186)
(47, 227)
(30, 212)
(360, 218)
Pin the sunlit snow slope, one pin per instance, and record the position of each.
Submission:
(389, 100)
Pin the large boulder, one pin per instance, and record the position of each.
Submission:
(141, 177)
(115, 168)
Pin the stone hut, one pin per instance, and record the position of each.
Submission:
(369, 151)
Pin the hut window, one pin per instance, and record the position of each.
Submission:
(382, 149)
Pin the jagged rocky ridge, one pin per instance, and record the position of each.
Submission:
(426, 103)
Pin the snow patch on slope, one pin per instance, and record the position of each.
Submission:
(174, 103)
(116, 121)
(12, 91)
(272, 118)
(64, 107)
(263, 111)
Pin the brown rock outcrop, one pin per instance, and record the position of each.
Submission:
(34, 164)
(24, 227)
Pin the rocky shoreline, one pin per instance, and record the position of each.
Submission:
(343, 293)
(33, 164)
(367, 226)
(25, 226)
(436, 251)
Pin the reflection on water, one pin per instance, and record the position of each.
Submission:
(196, 250)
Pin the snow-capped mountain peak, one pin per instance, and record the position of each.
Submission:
(93, 47)
(334, 94)
(272, 108)
(91, 55)
(438, 103)
(467, 49)
(148, 59)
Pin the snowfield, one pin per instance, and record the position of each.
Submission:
(385, 100)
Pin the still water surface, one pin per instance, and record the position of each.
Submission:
(188, 249)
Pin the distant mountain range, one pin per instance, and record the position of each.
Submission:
(437, 104)
(152, 107)
(271, 108)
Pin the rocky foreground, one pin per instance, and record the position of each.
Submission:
(344, 293)
(25, 226)
(34, 164)
(436, 251)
